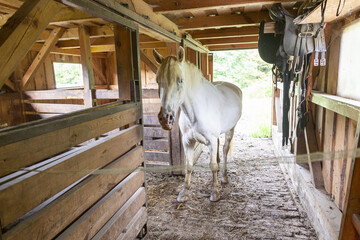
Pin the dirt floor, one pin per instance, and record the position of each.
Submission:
(257, 203)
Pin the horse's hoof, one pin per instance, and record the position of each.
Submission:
(182, 197)
(215, 196)
(225, 180)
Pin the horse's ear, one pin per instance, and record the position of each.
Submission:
(158, 58)
(181, 54)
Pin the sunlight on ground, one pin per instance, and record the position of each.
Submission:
(253, 76)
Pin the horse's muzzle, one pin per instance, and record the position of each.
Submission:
(166, 119)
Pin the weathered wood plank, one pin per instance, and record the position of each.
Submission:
(15, 155)
(157, 144)
(135, 226)
(21, 31)
(42, 55)
(65, 172)
(53, 107)
(343, 106)
(352, 199)
(55, 94)
(87, 66)
(60, 213)
(151, 120)
(150, 93)
(157, 156)
(115, 226)
(151, 108)
(106, 94)
(97, 216)
(155, 132)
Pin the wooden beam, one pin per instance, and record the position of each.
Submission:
(188, 41)
(233, 20)
(175, 6)
(42, 55)
(153, 45)
(157, 23)
(87, 67)
(55, 94)
(356, 222)
(233, 47)
(148, 62)
(225, 32)
(21, 31)
(94, 42)
(349, 7)
(69, 15)
(233, 40)
(123, 60)
(10, 84)
(343, 106)
(12, 3)
(55, 50)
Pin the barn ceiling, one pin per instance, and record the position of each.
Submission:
(218, 25)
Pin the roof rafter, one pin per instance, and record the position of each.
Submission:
(234, 40)
(233, 47)
(225, 32)
(233, 20)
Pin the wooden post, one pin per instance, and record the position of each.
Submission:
(123, 60)
(205, 65)
(87, 66)
(135, 84)
(352, 198)
(176, 157)
(21, 31)
(211, 71)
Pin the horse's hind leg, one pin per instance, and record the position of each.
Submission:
(228, 137)
(214, 166)
(189, 154)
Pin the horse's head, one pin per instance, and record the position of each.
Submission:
(170, 78)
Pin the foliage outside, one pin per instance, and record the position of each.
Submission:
(68, 75)
(246, 69)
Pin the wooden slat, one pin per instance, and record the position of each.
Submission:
(150, 93)
(53, 107)
(42, 55)
(117, 224)
(16, 153)
(157, 156)
(155, 132)
(55, 94)
(75, 43)
(151, 108)
(156, 144)
(97, 216)
(69, 170)
(230, 40)
(106, 94)
(21, 31)
(343, 106)
(52, 219)
(135, 226)
(233, 47)
(151, 120)
(225, 32)
(206, 22)
(36, 128)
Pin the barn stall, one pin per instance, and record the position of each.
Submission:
(72, 157)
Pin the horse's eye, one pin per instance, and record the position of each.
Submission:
(179, 80)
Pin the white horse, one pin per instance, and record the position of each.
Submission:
(207, 110)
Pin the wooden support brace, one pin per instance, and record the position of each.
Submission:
(21, 31)
(148, 62)
(41, 56)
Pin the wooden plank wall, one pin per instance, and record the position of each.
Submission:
(68, 200)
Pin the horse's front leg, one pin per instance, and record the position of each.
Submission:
(214, 166)
(189, 154)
